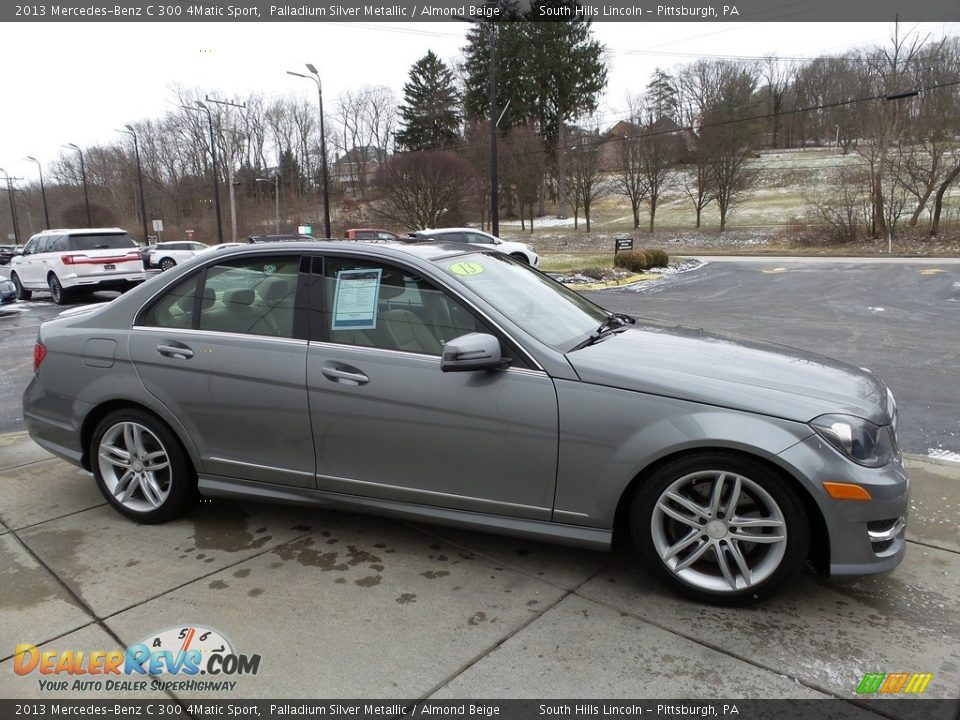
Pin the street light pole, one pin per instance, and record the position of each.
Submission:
(494, 121)
(315, 76)
(276, 196)
(213, 156)
(83, 175)
(43, 192)
(13, 206)
(136, 152)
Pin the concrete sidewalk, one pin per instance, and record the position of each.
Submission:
(341, 605)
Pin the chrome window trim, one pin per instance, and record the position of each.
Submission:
(219, 333)
(527, 356)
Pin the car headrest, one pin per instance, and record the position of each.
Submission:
(238, 296)
(186, 302)
(391, 284)
(274, 289)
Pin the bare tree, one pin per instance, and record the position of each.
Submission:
(846, 207)
(585, 174)
(524, 168)
(425, 189)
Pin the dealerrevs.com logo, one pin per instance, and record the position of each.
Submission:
(197, 659)
(894, 683)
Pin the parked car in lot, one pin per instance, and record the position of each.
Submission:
(167, 255)
(518, 251)
(8, 292)
(368, 234)
(7, 252)
(72, 261)
(439, 383)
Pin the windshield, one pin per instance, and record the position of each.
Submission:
(544, 308)
(113, 241)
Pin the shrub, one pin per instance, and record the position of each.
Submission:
(658, 258)
(633, 260)
(594, 273)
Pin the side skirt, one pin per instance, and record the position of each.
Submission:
(589, 538)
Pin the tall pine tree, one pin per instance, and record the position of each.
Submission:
(430, 114)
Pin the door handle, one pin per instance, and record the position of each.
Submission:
(180, 352)
(344, 376)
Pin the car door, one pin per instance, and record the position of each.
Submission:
(25, 264)
(387, 423)
(225, 350)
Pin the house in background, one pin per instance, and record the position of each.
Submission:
(355, 168)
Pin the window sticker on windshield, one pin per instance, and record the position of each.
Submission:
(355, 300)
(466, 268)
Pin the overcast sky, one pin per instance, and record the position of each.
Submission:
(76, 82)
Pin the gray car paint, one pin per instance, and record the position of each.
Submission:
(619, 406)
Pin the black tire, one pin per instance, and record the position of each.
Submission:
(178, 479)
(167, 264)
(758, 486)
(57, 293)
(520, 257)
(22, 292)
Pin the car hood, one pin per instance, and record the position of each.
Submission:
(714, 369)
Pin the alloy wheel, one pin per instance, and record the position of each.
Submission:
(135, 466)
(718, 531)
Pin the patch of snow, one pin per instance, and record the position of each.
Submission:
(942, 454)
(876, 309)
(544, 222)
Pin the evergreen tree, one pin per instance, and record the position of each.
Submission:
(430, 115)
(661, 98)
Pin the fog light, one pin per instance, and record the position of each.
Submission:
(846, 491)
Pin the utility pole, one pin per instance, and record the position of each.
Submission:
(229, 160)
(43, 192)
(136, 152)
(213, 159)
(494, 121)
(13, 205)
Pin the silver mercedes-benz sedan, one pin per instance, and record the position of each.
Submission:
(440, 384)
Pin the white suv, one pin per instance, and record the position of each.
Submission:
(68, 262)
(166, 255)
(519, 251)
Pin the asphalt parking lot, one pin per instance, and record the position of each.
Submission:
(342, 605)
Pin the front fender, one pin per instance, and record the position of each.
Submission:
(608, 436)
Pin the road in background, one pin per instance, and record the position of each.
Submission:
(900, 319)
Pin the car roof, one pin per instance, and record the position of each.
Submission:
(397, 251)
(83, 231)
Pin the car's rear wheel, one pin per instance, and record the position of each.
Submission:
(167, 264)
(720, 528)
(520, 257)
(140, 467)
(57, 293)
(22, 292)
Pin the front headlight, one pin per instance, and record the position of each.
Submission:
(892, 406)
(860, 440)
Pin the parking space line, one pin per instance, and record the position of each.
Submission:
(58, 517)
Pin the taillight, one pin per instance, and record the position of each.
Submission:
(69, 259)
(39, 353)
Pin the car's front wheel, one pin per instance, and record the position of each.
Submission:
(140, 467)
(22, 292)
(720, 528)
(167, 264)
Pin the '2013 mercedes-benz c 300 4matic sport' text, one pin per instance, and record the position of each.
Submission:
(442, 384)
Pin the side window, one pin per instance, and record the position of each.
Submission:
(457, 237)
(254, 296)
(44, 244)
(174, 309)
(381, 306)
(31, 247)
(57, 244)
(475, 239)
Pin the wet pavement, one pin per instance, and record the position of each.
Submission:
(345, 605)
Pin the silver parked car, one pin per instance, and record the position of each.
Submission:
(441, 384)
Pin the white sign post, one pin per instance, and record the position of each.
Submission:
(158, 228)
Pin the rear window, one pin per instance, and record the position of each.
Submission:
(112, 241)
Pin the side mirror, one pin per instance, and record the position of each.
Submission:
(474, 351)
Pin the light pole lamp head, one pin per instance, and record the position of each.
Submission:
(73, 146)
(130, 129)
(201, 104)
(296, 74)
(312, 69)
(32, 159)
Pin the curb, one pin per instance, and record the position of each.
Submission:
(629, 280)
